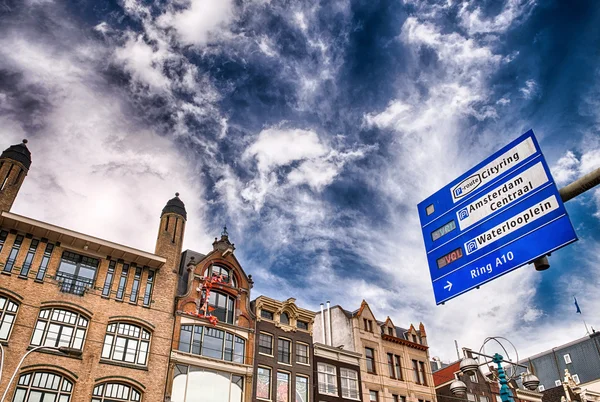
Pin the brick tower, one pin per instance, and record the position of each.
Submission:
(14, 165)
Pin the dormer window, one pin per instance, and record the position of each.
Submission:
(217, 270)
(284, 318)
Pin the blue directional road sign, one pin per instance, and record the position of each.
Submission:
(499, 216)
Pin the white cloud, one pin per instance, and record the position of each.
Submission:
(472, 19)
(566, 168)
(145, 64)
(529, 90)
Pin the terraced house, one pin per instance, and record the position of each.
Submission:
(94, 317)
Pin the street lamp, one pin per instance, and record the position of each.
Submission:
(468, 366)
(62, 349)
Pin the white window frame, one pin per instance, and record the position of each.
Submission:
(576, 379)
(541, 388)
(346, 380)
(322, 370)
(471, 397)
(473, 378)
(122, 331)
(557, 383)
(50, 318)
(296, 387)
(567, 358)
(270, 370)
(483, 398)
(289, 383)
(8, 315)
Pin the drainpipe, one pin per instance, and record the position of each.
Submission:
(329, 323)
(323, 324)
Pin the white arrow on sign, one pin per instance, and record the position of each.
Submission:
(448, 286)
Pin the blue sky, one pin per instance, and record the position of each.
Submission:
(312, 129)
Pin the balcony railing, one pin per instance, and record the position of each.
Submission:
(73, 284)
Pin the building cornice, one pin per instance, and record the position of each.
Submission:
(404, 342)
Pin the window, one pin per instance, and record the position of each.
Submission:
(148, 291)
(109, 279)
(576, 378)
(557, 383)
(373, 396)
(283, 387)
(414, 339)
(471, 397)
(265, 344)
(3, 236)
(223, 306)
(76, 272)
(263, 383)
(301, 389)
(349, 383)
(326, 376)
(191, 384)
(473, 377)
(43, 386)
(283, 351)
(29, 257)
(483, 398)
(541, 388)
(212, 342)
(370, 354)
(266, 314)
(122, 281)
(127, 343)
(398, 367)
(8, 311)
(302, 325)
(301, 353)
(395, 398)
(10, 262)
(422, 376)
(137, 277)
(284, 318)
(368, 325)
(498, 398)
(391, 332)
(114, 391)
(216, 270)
(391, 370)
(44, 264)
(567, 358)
(59, 327)
(415, 367)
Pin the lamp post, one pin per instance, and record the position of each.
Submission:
(62, 349)
(468, 366)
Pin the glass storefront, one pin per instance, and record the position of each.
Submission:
(195, 384)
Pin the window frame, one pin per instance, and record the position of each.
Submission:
(347, 381)
(137, 282)
(113, 331)
(305, 377)
(103, 387)
(373, 393)
(27, 381)
(31, 251)
(41, 273)
(287, 320)
(259, 345)
(230, 302)
(4, 312)
(149, 287)
(270, 384)
(110, 277)
(289, 383)
(48, 321)
(75, 283)
(304, 325)
(306, 346)
(232, 281)
(575, 378)
(567, 358)
(200, 344)
(270, 316)
(371, 359)
(11, 259)
(326, 374)
(281, 354)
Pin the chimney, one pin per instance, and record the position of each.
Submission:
(323, 324)
(329, 323)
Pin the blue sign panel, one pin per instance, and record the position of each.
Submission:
(499, 216)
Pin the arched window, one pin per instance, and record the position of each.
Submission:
(284, 318)
(212, 342)
(192, 384)
(60, 327)
(111, 392)
(228, 276)
(8, 311)
(223, 304)
(126, 343)
(43, 386)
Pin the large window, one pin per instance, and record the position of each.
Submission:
(29, 257)
(370, 354)
(373, 396)
(301, 353)
(126, 343)
(283, 350)
(76, 272)
(398, 367)
(223, 305)
(263, 383)
(283, 387)
(394, 367)
(301, 389)
(58, 327)
(212, 342)
(326, 376)
(265, 344)
(115, 392)
(43, 387)
(422, 376)
(349, 383)
(8, 311)
(217, 270)
(14, 251)
(195, 384)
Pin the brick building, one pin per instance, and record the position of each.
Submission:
(212, 360)
(283, 363)
(109, 306)
(394, 364)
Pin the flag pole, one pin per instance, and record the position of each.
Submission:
(587, 331)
